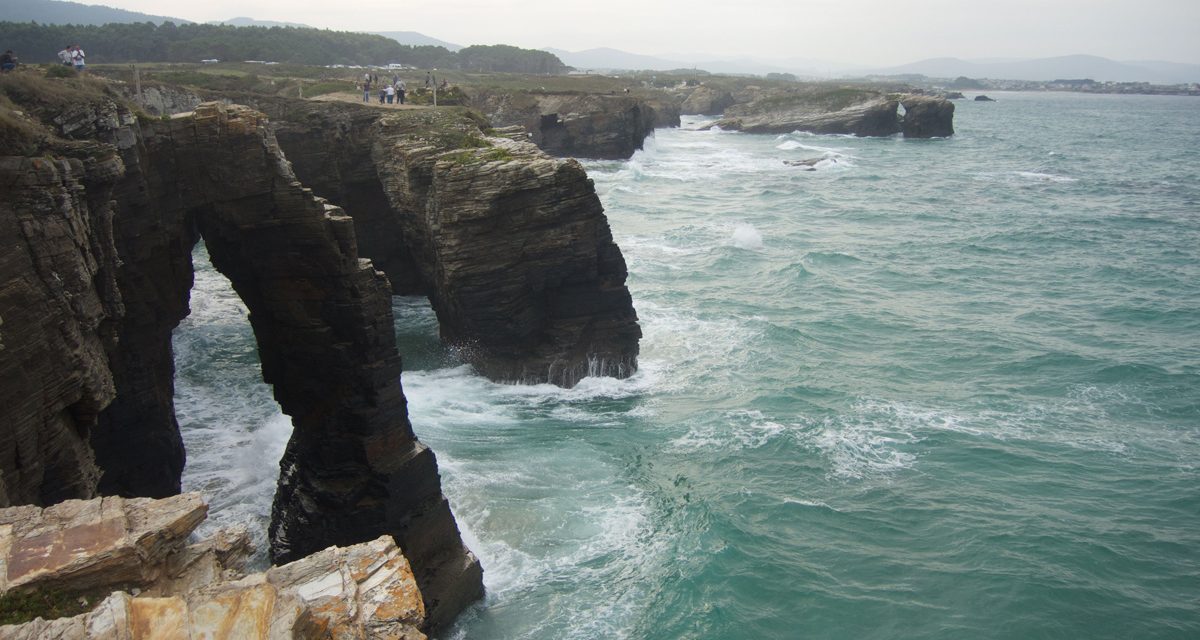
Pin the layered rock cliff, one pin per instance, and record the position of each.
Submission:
(579, 125)
(101, 224)
(848, 111)
(511, 247)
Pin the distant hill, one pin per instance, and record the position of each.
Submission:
(414, 39)
(605, 58)
(1042, 69)
(56, 12)
(251, 22)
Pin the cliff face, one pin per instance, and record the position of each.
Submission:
(707, 101)
(57, 301)
(102, 234)
(579, 125)
(859, 112)
(511, 247)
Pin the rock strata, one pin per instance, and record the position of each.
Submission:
(102, 228)
(707, 101)
(846, 111)
(578, 125)
(927, 117)
(364, 591)
(511, 246)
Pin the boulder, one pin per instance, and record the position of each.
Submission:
(85, 545)
(358, 592)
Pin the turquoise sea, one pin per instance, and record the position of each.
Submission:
(932, 389)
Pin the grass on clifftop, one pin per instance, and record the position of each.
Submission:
(815, 97)
(31, 95)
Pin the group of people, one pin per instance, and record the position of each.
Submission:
(388, 93)
(72, 56)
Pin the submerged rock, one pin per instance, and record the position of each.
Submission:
(983, 98)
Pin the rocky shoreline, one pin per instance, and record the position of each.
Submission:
(511, 246)
(134, 559)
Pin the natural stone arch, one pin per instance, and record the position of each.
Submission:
(321, 315)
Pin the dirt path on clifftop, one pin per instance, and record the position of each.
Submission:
(357, 98)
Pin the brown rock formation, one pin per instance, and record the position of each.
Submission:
(83, 548)
(859, 112)
(578, 125)
(353, 469)
(86, 545)
(512, 247)
(869, 116)
(927, 117)
(707, 101)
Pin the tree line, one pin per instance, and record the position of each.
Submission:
(169, 42)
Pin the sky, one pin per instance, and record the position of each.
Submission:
(862, 32)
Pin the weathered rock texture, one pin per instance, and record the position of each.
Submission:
(927, 117)
(102, 234)
(707, 101)
(511, 246)
(578, 125)
(858, 112)
(83, 548)
(86, 545)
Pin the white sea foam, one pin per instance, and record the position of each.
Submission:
(1044, 177)
(1023, 178)
(738, 430)
(745, 236)
(232, 428)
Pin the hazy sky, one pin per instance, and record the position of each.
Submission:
(869, 32)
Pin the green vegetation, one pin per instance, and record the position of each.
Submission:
(169, 42)
(18, 606)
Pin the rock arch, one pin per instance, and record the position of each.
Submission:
(321, 314)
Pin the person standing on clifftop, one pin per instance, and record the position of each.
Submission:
(64, 56)
(366, 87)
(391, 93)
(400, 87)
(428, 79)
(77, 57)
(8, 61)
